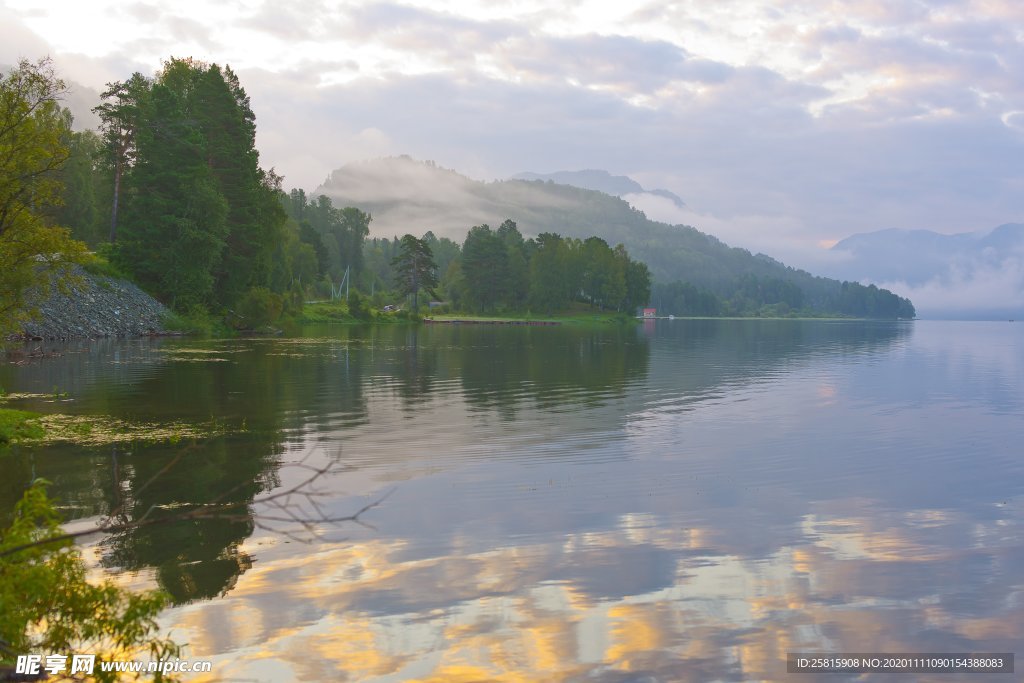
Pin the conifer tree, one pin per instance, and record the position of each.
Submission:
(414, 268)
(175, 222)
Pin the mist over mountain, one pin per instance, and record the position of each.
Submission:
(601, 181)
(405, 195)
(408, 196)
(963, 275)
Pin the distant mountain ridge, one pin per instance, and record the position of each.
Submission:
(967, 274)
(408, 196)
(601, 181)
(917, 256)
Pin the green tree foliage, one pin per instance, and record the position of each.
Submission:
(258, 308)
(414, 268)
(671, 252)
(350, 233)
(84, 176)
(255, 218)
(48, 606)
(357, 306)
(378, 255)
(200, 222)
(33, 133)
(485, 269)
(551, 286)
(754, 296)
(683, 298)
(872, 302)
(120, 119)
(342, 232)
(499, 270)
(311, 237)
(604, 279)
(453, 284)
(637, 281)
(445, 250)
(174, 228)
(518, 253)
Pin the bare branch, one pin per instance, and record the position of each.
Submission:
(295, 506)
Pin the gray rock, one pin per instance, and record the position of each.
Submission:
(98, 306)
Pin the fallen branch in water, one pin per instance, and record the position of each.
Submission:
(295, 506)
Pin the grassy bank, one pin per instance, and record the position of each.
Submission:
(339, 312)
(567, 318)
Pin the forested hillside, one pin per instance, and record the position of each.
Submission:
(694, 273)
(170, 191)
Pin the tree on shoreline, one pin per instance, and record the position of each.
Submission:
(119, 122)
(414, 268)
(195, 218)
(33, 128)
(49, 606)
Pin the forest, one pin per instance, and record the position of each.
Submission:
(396, 189)
(169, 193)
(493, 270)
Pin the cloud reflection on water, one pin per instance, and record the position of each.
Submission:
(600, 605)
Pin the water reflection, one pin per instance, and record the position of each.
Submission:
(635, 602)
(688, 502)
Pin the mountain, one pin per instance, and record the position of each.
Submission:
(962, 275)
(601, 181)
(408, 196)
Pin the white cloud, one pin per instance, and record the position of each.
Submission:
(978, 287)
(781, 128)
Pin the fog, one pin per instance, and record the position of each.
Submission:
(964, 275)
(976, 290)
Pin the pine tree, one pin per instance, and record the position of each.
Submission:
(119, 123)
(485, 268)
(175, 222)
(415, 269)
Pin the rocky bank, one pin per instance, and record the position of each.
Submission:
(97, 306)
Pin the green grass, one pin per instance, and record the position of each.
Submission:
(16, 425)
(337, 312)
(98, 264)
(569, 317)
(199, 322)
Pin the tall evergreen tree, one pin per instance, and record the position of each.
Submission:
(549, 286)
(175, 223)
(637, 280)
(485, 268)
(205, 219)
(350, 232)
(415, 269)
(120, 119)
(517, 288)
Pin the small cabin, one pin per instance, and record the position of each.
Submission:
(650, 312)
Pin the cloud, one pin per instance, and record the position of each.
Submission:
(780, 127)
(18, 40)
(976, 289)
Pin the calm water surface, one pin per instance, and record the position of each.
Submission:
(682, 500)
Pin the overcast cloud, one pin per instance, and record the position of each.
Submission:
(782, 129)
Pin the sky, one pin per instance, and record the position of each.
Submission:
(784, 128)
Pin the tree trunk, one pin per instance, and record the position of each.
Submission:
(117, 192)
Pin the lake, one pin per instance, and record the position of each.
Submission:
(672, 501)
